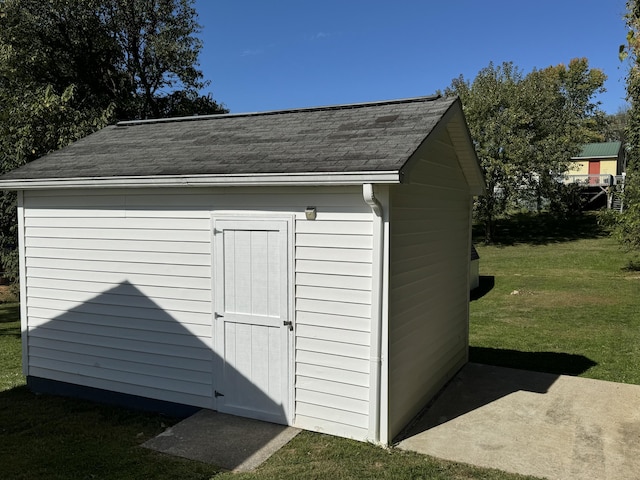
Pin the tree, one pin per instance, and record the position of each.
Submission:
(140, 55)
(626, 225)
(68, 68)
(616, 126)
(526, 129)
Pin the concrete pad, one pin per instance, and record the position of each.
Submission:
(227, 441)
(553, 426)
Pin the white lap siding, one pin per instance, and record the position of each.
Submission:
(119, 294)
(428, 302)
(333, 314)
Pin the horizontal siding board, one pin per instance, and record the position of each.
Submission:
(165, 235)
(333, 335)
(167, 384)
(168, 358)
(333, 374)
(199, 352)
(118, 212)
(119, 245)
(173, 258)
(333, 387)
(117, 334)
(335, 227)
(107, 223)
(159, 392)
(333, 361)
(332, 347)
(334, 268)
(120, 267)
(160, 372)
(96, 287)
(334, 294)
(334, 308)
(115, 278)
(78, 199)
(41, 317)
(330, 427)
(333, 415)
(333, 321)
(334, 281)
(112, 298)
(352, 255)
(334, 241)
(123, 311)
(335, 402)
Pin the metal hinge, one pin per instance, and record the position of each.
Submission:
(288, 323)
(216, 315)
(217, 394)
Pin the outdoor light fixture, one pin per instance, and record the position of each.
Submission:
(310, 213)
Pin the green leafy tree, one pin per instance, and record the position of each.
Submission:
(526, 129)
(626, 225)
(139, 55)
(68, 68)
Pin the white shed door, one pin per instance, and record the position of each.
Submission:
(252, 329)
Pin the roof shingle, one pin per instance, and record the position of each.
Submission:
(370, 137)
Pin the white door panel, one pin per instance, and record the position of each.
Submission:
(252, 335)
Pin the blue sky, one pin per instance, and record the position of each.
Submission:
(276, 54)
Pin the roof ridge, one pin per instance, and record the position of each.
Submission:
(347, 106)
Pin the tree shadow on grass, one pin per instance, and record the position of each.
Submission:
(9, 312)
(548, 362)
(543, 229)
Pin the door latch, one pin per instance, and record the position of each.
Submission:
(288, 323)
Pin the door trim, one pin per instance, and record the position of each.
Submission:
(247, 217)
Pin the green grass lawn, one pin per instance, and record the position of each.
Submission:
(576, 311)
(44, 437)
(561, 301)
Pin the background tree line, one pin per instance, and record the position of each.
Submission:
(69, 68)
(526, 128)
(626, 226)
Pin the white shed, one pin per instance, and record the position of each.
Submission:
(308, 267)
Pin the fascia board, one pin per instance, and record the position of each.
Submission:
(291, 179)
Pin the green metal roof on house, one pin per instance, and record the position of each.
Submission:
(604, 149)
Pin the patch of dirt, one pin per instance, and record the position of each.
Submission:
(563, 299)
(7, 294)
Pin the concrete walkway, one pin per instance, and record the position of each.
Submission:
(551, 426)
(233, 443)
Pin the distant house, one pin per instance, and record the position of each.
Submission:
(597, 163)
(599, 168)
(308, 267)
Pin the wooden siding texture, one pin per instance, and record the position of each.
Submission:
(119, 294)
(428, 278)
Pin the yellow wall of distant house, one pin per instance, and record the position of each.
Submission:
(606, 167)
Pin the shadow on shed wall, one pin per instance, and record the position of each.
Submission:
(96, 340)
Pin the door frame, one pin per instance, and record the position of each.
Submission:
(241, 216)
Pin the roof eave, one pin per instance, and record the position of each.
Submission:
(241, 180)
(596, 157)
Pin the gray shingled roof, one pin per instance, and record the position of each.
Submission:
(370, 137)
